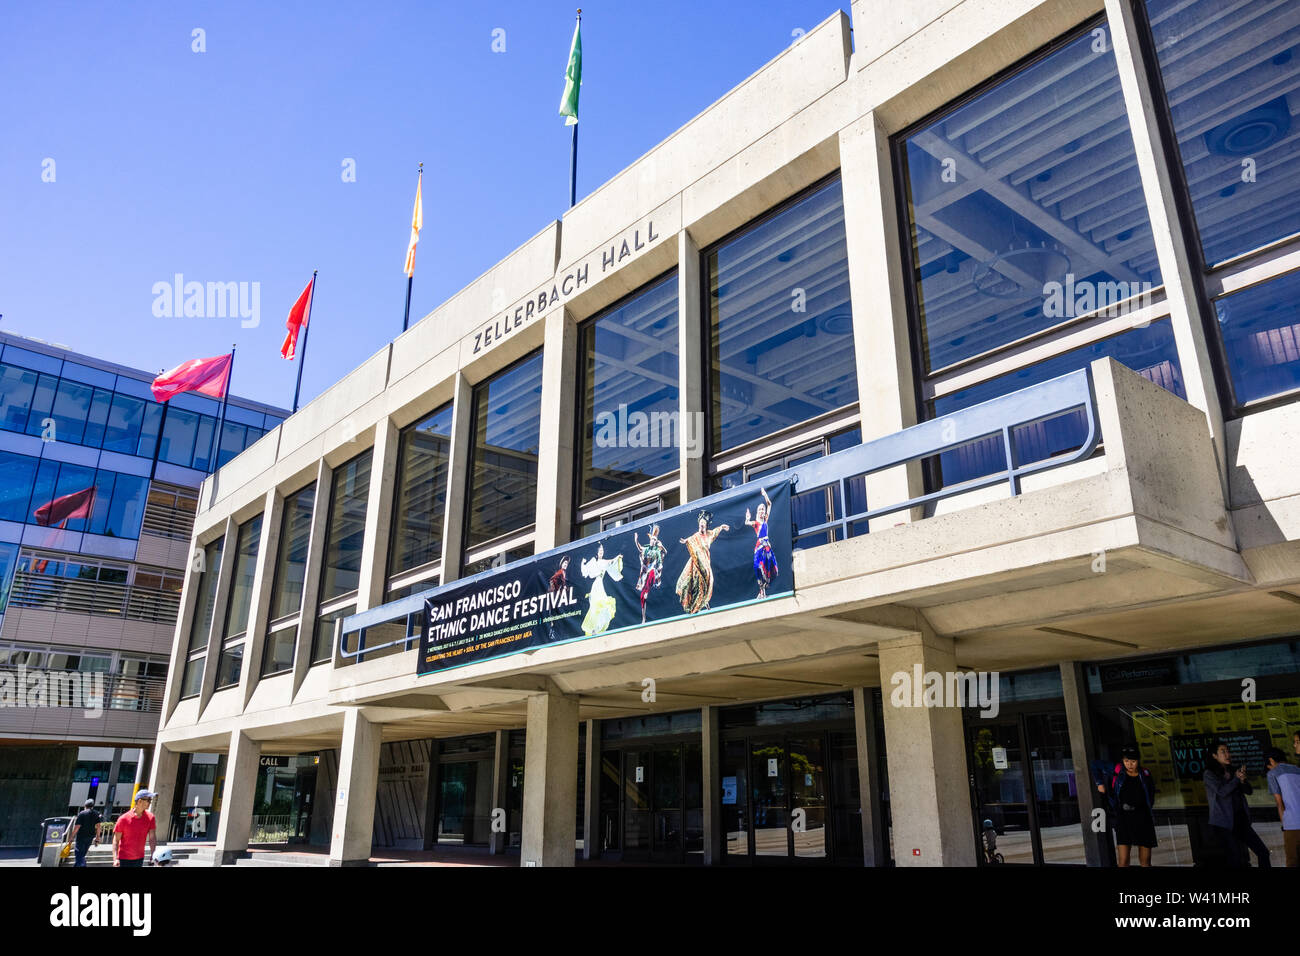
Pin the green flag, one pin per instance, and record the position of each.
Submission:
(572, 79)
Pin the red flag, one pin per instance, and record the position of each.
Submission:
(297, 321)
(208, 376)
(60, 511)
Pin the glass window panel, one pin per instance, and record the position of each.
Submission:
(422, 492)
(278, 653)
(99, 516)
(630, 406)
(234, 438)
(42, 402)
(179, 430)
(780, 321)
(322, 645)
(153, 413)
(1261, 336)
(98, 416)
(205, 600)
(1232, 79)
(498, 560)
(291, 560)
(16, 388)
(122, 430)
(43, 488)
(1150, 352)
(347, 527)
(230, 664)
(1033, 182)
(127, 511)
(503, 469)
(192, 679)
(71, 408)
(241, 580)
(17, 474)
(203, 436)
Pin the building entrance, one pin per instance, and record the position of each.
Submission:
(304, 789)
(1023, 782)
(652, 802)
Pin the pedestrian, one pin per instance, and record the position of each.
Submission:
(84, 830)
(1284, 784)
(1226, 789)
(131, 831)
(1132, 796)
(990, 839)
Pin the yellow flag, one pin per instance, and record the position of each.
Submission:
(417, 223)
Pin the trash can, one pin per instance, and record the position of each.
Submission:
(54, 833)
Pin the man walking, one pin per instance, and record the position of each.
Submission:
(131, 831)
(1284, 784)
(84, 830)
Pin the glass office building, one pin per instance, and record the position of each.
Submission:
(98, 491)
(992, 313)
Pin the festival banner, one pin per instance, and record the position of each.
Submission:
(729, 549)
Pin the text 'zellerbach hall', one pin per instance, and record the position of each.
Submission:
(966, 343)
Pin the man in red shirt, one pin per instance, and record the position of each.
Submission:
(131, 831)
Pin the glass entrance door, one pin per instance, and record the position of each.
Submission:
(651, 802)
(775, 798)
(998, 783)
(304, 791)
(464, 801)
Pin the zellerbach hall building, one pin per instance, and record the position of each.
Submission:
(878, 455)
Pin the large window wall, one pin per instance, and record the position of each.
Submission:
(1231, 85)
(501, 500)
(230, 661)
(290, 575)
(1030, 247)
(49, 493)
(421, 500)
(345, 533)
(205, 602)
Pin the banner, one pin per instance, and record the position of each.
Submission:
(725, 550)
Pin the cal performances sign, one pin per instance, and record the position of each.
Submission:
(725, 550)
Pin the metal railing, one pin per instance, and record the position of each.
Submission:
(90, 690)
(275, 828)
(49, 592)
(997, 420)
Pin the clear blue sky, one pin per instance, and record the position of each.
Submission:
(226, 165)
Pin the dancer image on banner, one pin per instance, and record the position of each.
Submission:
(765, 568)
(695, 584)
(652, 565)
(603, 606)
(559, 580)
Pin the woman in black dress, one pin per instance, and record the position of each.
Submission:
(1132, 795)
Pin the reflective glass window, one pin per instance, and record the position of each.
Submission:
(122, 430)
(70, 411)
(241, 579)
(97, 418)
(780, 322)
(205, 600)
(278, 653)
(17, 473)
(192, 679)
(1025, 206)
(179, 430)
(127, 512)
(347, 527)
(503, 468)
(322, 645)
(1150, 352)
(1261, 336)
(16, 388)
(230, 664)
(421, 492)
(234, 439)
(629, 395)
(291, 560)
(42, 402)
(1231, 75)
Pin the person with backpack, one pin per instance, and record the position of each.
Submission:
(84, 831)
(1132, 797)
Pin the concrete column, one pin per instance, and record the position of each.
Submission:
(379, 516)
(550, 781)
(312, 572)
(711, 753)
(1096, 846)
(462, 440)
(881, 331)
(691, 349)
(591, 795)
(431, 795)
(260, 603)
(162, 781)
(1189, 310)
(929, 793)
(500, 790)
(875, 841)
(237, 798)
(555, 456)
(222, 597)
(354, 802)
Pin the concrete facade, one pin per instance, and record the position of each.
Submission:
(1194, 516)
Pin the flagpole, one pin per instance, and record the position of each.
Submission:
(302, 356)
(157, 445)
(221, 421)
(410, 280)
(573, 155)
